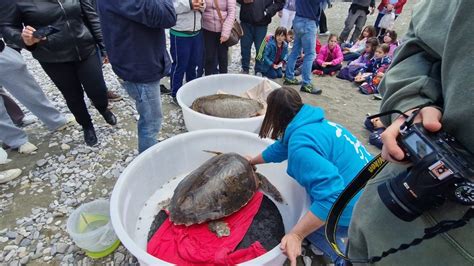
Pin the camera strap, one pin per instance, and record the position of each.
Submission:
(367, 173)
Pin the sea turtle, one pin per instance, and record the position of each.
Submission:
(219, 187)
(227, 106)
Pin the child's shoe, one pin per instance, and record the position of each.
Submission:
(318, 72)
(332, 74)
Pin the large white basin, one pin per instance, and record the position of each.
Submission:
(178, 156)
(231, 83)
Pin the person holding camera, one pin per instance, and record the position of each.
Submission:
(135, 37)
(427, 69)
(62, 36)
(255, 15)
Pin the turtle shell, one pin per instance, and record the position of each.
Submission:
(218, 188)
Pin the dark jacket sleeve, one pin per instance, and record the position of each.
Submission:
(91, 19)
(275, 7)
(10, 22)
(152, 13)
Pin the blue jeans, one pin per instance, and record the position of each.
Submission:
(148, 103)
(252, 34)
(305, 38)
(273, 73)
(318, 239)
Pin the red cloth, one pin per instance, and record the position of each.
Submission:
(197, 245)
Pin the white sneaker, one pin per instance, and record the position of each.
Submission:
(324, 33)
(9, 175)
(27, 148)
(70, 119)
(28, 120)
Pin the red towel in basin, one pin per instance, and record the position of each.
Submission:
(197, 245)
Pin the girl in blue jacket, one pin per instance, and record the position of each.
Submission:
(323, 157)
(275, 54)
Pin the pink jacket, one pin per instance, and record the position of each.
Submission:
(211, 20)
(337, 56)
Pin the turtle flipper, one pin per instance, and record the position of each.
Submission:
(267, 187)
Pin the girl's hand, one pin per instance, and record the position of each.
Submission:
(224, 39)
(105, 60)
(291, 246)
(27, 36)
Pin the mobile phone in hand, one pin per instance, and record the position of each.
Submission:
(45, 31)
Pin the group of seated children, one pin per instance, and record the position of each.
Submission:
(369, 68)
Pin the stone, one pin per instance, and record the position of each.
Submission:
(118, 258)
(11, 234)
(41, 162)
(25, 242)
(25, 260)
(3, 239)
(10, 247)
(62, 248)
(65, 147)
(10, 255)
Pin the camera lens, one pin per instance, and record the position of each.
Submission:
(394, 204)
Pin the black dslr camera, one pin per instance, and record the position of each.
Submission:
(442, 169)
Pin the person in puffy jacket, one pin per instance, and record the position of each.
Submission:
(67, 56)
(255, 15)
(216, 32)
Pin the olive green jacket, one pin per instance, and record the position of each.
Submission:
(435, 64)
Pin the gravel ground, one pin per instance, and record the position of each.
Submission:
(64, 173)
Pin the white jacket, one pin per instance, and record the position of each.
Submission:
(188, 20)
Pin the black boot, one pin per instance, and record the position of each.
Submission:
(110, 118)
(89, 136)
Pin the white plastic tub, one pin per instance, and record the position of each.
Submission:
(231, 83)
(178, 156)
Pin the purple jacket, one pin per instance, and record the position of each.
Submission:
(337, 55)
(211, 20)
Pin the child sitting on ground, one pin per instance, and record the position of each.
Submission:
(373, 72)
(353, 68)
(390, 38)
(329, 59)
(275, 54)
(354, 51)
(376, 128)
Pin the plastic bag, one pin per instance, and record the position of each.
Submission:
(387, 22)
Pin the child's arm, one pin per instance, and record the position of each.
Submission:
(267, 60)
(322, 56)
(338, 56)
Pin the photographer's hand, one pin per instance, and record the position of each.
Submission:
(429, 116)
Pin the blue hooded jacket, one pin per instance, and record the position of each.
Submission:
(323, 157)
(134, 36)
(270, 53)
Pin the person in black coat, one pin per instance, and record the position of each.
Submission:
(67, 56)
(255, 15)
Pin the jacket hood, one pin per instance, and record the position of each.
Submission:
(307, 115)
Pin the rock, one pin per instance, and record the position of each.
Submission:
(62, 248)
(11, 234)
(25, 242)
(10, 247)
(118, 258)
(65, 147)
(25, 260)
(10, 255)
(50, 220)
(3, 239)
(46, 251)
(41, 162)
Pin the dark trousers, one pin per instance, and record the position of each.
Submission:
(252, 34)
(13, 110)
(326, 70)
(215, 53)
(323, 25)
(273, 73)
(186, 53)
(350, 56)
(73, 78)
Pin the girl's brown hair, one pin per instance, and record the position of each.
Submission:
(332, 35)
(280, 31)
(370, 29)
(385, 48)
(392, 34)
(373, 42)
(283, 105)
